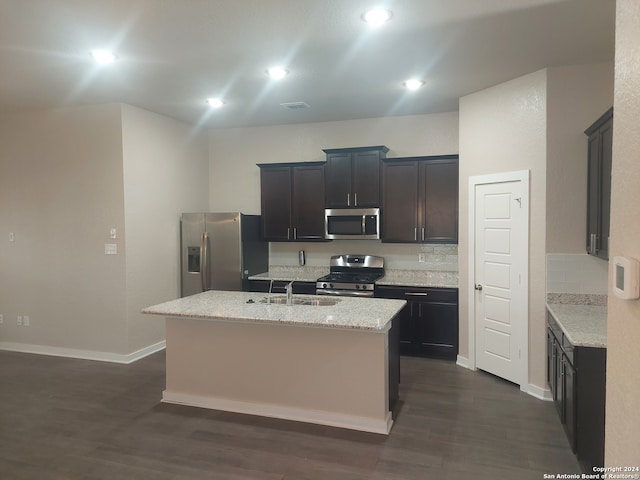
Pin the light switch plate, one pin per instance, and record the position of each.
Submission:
(113, 233)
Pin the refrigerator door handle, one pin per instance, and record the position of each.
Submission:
(204, 261)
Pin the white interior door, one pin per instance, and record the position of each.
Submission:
(501, 251)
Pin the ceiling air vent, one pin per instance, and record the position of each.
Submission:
(294, 105)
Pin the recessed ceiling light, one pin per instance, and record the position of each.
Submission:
(103, 56)
(376, 17)
(413, 84)
(215, 102)
(277, 73)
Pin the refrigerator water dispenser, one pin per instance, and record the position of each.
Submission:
(193, 259)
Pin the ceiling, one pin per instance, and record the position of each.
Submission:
(173, 54)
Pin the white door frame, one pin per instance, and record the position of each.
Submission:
(522, 176)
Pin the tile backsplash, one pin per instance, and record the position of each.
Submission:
(576, 273)
(438, 257)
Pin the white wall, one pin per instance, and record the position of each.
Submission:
(535, 123)
(235, 179)
(576, 97)
(234, 152)
(623, 324)
(166, 170)
(503, 129)
(61, 190)
(67, 177)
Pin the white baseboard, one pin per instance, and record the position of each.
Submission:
(351, 422)
(463, 362)
(541, 393)
(124, 358)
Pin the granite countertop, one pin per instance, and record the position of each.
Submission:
(349, 313)
(410, 278)
(583, 323)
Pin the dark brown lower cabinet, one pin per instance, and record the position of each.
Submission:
(428, 325)
(576, 377)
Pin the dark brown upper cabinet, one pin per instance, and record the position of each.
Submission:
(420, 199)
(600, 144)
(352, 177)
(292, 201)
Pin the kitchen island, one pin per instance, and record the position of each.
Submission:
(333, 365)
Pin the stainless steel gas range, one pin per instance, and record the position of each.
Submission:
(351, 275)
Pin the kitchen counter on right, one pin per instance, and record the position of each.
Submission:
(582, 318)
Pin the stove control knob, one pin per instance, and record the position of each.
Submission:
(357, 286)
(324, 285)
(331, 285)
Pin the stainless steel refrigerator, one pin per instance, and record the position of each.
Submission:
(220, 250)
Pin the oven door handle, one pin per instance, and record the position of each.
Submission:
(345, 293)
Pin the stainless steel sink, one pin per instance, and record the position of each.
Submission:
(310, 301)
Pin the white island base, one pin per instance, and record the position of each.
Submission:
(333, 365)
(317, 375)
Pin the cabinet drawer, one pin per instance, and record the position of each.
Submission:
(419, 294)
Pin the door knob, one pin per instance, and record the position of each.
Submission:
(478, 286)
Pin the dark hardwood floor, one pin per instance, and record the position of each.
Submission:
(75, 419)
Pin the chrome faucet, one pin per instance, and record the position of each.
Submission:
(289, 289)
(270, 288)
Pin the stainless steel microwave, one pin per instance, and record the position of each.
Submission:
(352, 223)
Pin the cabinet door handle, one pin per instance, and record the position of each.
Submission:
(415, 233)
(204, 261)
(295, 233)
(348, 199)
(423, 234)
(478, 286)
(355, 199)
(288, 233)
(416, 294)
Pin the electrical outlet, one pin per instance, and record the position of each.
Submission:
(19, 321)
(422, 257)
(26, 321)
